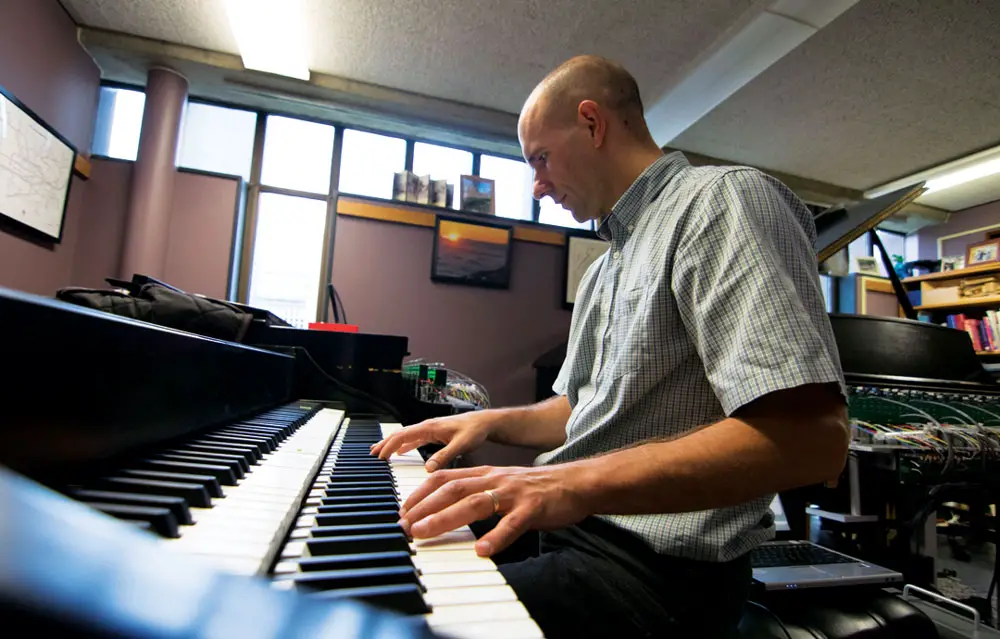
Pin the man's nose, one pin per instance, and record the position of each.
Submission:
(541, 189)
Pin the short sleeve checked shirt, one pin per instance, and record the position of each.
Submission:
(708, 298)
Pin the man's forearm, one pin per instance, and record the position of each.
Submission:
(722, 465)
(541, 425)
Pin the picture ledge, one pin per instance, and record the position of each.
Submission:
(425, 215)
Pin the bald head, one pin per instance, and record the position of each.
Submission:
(589, 77)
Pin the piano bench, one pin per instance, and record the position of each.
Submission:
(851, 613)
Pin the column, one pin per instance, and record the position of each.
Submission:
(147, 225)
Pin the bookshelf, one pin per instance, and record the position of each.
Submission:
(941, 302)
(940, 291)
(972, 302)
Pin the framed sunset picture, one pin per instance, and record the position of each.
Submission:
(471, 253)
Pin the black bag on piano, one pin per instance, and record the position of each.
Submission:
(168, 307)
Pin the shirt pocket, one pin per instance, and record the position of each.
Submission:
(628, 331)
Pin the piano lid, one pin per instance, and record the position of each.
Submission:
(836, 228)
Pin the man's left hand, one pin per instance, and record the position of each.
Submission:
(540, 498)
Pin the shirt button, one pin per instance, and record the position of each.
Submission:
(631, 227)
(616, 255)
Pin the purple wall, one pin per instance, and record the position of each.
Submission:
(98, 247)
(201, 233)
(976, 217)
(43, 65)
(382, 272)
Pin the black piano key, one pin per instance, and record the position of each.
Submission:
(221, 473)
(177, 505)
(361, 475)
(232, 462)
(207, 482)
(272, 435)
(360, 492)
(261, 447)
(358, 500)
(250, 455)
(383, 484)
(391, 505)
(355, 517)
(352, 478)
(194, 494)
(355, 544)
(264, 443)
(348, 530)
(161, 519)
(406, 599)
(356, 578)
(362, 560)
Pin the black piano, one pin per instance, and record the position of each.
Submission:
(159, 483)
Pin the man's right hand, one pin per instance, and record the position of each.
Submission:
(459, 433)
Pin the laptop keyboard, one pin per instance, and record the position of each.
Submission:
(770, 555)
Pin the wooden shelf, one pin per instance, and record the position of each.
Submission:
(987, 352)
(971, 302)
(964, 272)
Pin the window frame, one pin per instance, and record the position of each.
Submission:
(242, 250)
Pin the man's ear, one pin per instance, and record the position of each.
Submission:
(590, 115)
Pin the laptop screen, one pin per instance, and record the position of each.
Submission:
(780, 521)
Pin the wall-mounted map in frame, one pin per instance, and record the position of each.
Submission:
(582, 249)
(36, 164)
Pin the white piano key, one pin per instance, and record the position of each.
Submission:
(470, 613)
(505, 629)
(476, 595)
(463, 579)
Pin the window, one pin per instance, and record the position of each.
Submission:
(513, 183)
(369, 163)
(287, 257)
(555, 214)
(826, 284)
(442, 163)
(217, 139)
(297, 155)
(119, 123)
(860, 247)
(894, 243)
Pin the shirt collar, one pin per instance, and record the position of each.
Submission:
(628, 209)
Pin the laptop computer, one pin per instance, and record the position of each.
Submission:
(786, 565)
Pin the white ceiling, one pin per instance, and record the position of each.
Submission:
(889, 88)
(483, 52)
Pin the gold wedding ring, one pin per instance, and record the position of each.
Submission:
(496, 500)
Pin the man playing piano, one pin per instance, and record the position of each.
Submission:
(701, 377)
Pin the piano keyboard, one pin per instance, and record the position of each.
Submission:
(347, 543)
(297, 488)
(229, 496)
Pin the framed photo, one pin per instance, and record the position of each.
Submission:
(476, 195)
(953, 263)
(582, 249)
(471, 253)
(982, 253)
(866, 265)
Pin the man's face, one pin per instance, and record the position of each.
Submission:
(562, 159)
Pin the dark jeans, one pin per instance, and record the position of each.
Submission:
(596, 580)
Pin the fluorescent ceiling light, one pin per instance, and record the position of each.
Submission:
(271, 35)
(964, 175)
(945, 176)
